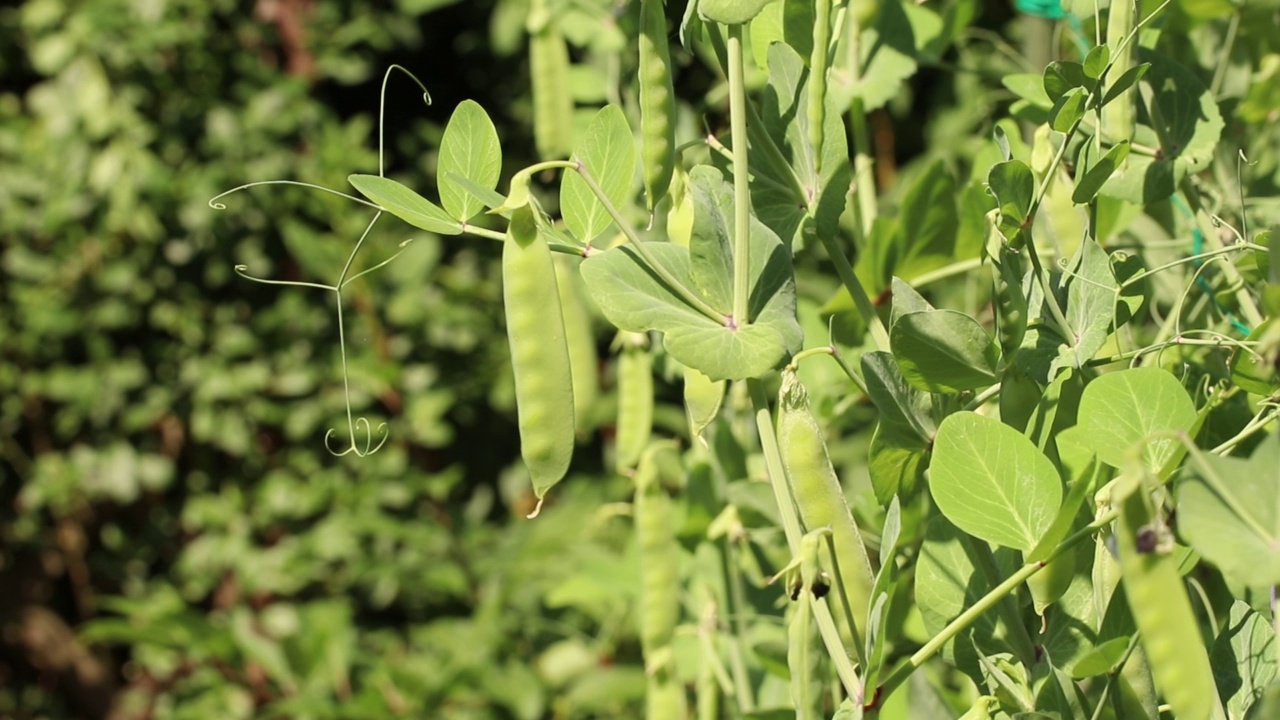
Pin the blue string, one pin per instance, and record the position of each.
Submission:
(1053, 10)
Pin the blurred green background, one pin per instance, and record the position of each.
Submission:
(175, 541)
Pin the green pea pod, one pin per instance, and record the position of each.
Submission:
(1161, 609)
(659, 563)
(818, 79)
(657, 103)
(581, 341)
(818, 493)
(802, 661)
(1019, 395)
(549, 75)
(1010, 302)
(635, 401)
(539, 356)
(664, 697)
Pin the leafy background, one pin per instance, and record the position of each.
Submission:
(174, 540)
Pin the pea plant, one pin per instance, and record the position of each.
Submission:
(1007, 449)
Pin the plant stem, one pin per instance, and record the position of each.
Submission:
(1248, 307)
(741, 181)
(966, 618)
(864, 179)
(861, 300)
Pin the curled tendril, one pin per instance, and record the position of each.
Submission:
(369, 448)
(213, 201)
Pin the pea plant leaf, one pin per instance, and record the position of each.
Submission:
(900, 444)
(1091, 302)
(730, 12)
(634, 298)
(944, 351)
(992, 482)
(468, 149)
(1014, 188)
(1243, 659)
(1098, 173)
(1184, 122)
(405, 204)
(1122, 408)
(1229, 510)
(710, 245)
(608, 152)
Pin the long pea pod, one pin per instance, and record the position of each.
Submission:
(802, 660)
(539, 355)
(818, 493)
(659, 588)
(1161, 609)
(549, 76)
(635, 400)
(657, 103)
(581, 342)
(817, 109)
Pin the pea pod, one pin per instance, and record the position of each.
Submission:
(635, 400)
(659, 563)
(1161, 609)
(818, 493)
(581, 341)
(539, 356)
(818, 79)
(1010, 301)
(802, 661)
(657, 103)
(549, 76)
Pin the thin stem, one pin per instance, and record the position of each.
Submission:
(213, 201)
(1256, 425)
(983, 397)
(382, 105)
(741, 180)
(1248, 307)
(967, 618)
(861, 300)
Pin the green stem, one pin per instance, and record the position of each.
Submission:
(967, 618)
(1008, 609)
(1247, 306)
(741, 181)
(861, 300)
(864, 179)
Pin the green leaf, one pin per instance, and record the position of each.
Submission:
(405, 204)
(470, 149)
(889, 57)
(1096, 61)
(1121, 409)
(634, 298)
(710, 243)
(1187, 126)
(1254, 373)
(1098, 174)
(1061, 76)
(608, 151)
(896, 462)
(991, 482)
(488, 197)
(1125, 81)
(1028, 86)
(1229, 510)
(1091, 300)
(944, 351)
(1068, 110)
(1014, 187)
(730, 12)
(1101, 659)
(1243, 658)
(900, 405)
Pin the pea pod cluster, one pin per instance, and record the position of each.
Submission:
(539, 355)
(635, 400)
(818, 493)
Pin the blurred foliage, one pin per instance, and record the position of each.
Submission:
(174, 540)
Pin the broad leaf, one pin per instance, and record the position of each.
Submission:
(1243, 658)
(1068, 110)
(470, 149)
(991, 482)
(1091, 301)
(1145, 404)
(1014, 188)
(608, 151)
(1096, 61)
(1062, 76)
(405, 204)
(730, 12)
(1099, 173)
(944, 351)
(1229, 510)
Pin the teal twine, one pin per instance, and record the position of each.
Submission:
(1197, 247)
(1047, 9)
